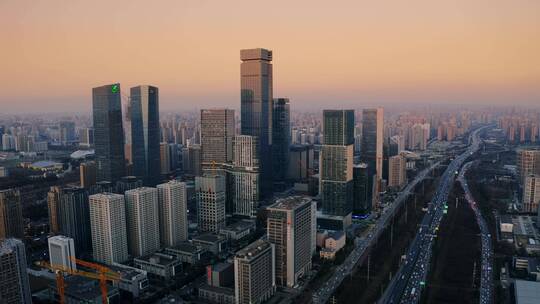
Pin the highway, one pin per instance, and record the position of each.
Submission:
(362, 245)
(407, 285)
(486, 280)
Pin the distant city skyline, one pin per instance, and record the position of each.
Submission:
(354, 54)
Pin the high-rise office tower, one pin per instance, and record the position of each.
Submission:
(281, 138)
(217, 131)
(53, 202)
(11, 219)
(145, 133)
(109, 231)
(528, 162)
(86, 137)
(75, 217)
(291, 227)
(88, 174)
(254, 273)
(62, 252)
(397, 171)
(210, 192)
(142, 212)
(14, 284)
(531, 193)
(191, 160)
(336, 162)
(67, 132)
(173, 220)
(372, 149)
(108, 133)
(165, 158)
(361, 202)
(256, 107)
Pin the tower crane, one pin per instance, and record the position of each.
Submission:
(103, 274)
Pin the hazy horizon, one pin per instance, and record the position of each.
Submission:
(348, 55)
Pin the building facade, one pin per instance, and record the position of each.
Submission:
(62, 252)
(109, 231)
(173, 220)
(256, 82)
(145, 133)
(108, 132)
(254, 273)
(281, 138)
(142, 217)
(217, 132)
(336, 162)
(291, 227)
(14, 285)
(372, 149)
(11, 219)
(210, 194)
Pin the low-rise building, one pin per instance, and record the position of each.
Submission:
(217, 295)
(212, 242)
(238, 230)
(186, 252)
(159, 265)
(133, 280)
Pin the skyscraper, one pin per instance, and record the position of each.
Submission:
(291, 227)
(217, 131)
(11, 219)
(256, 106)
(531, 193)
(53, 202)
(62, 252)
(397, 174)
(145, 133)
(372, 149)
(336, 162)
(88, 174)
(14, 284)
(142, 212)
(173, 220)
(361, 203)
(245, 175)
(254, 273)
(210, 192)
(109, 232)
(74, 217)
(528, 162)
(281, 138)
(108, 132)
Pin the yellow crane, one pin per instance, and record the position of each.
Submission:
(103, 274)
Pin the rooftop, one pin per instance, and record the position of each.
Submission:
(290, 203)
(158, 258)
(209, 238)
(253, 249)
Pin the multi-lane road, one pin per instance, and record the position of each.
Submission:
(323, 294)
(407, 285)
(486, 279)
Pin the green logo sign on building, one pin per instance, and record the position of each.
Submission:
(114, 88)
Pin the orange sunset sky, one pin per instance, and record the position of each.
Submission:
(326, 53)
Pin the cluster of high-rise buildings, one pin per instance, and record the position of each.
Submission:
(528, 163)
(521, 127)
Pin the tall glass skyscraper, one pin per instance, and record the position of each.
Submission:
(144, 105)
(108, 132)
(256, 107)
(372, 148)
(281, 138)
(336, 162)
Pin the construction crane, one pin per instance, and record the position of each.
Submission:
(103, 274)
